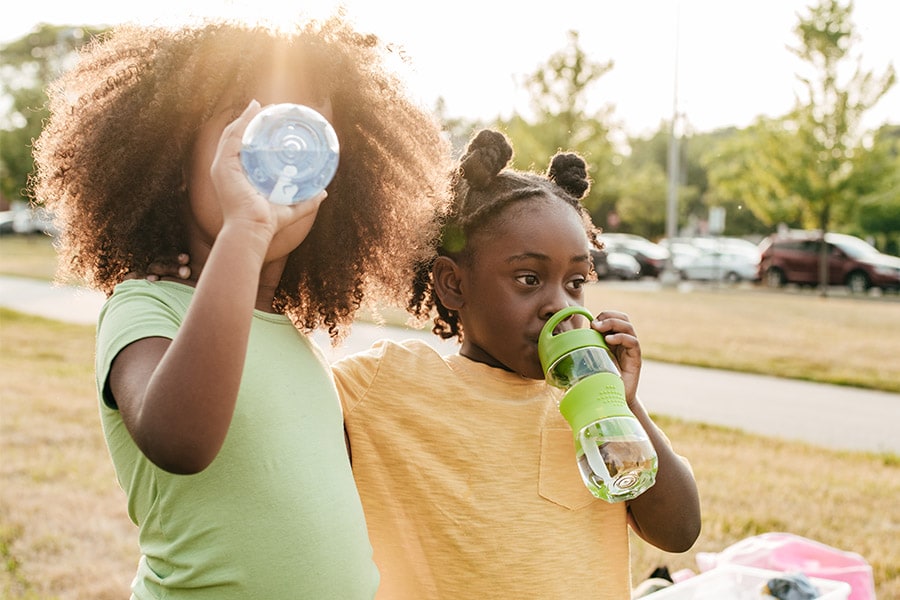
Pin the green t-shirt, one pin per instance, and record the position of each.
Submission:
(276, 514)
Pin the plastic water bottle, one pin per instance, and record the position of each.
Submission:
(616, 459)
(290, 153)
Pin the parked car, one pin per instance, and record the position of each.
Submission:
(794, 258)
(33, 220)
(615, 265)
(715, 265)
(651, 257)
(6, 221)
(684, 249)
(728, 244)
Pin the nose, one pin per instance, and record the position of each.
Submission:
(555, 304)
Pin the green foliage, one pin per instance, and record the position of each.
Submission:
(29, 65)
(559, 93)
(878, 210)
(750, 168)
(809, 169)
(642, 203)
(828, 118)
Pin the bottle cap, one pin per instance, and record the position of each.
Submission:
(289, 153)
(552, 347)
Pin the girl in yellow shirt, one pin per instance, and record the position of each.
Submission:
(465, 468)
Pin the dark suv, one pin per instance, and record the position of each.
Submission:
(794, 258)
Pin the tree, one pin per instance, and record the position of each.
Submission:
(828, 117)
(702, 156)
(644, 188)
(29, 64)
(878, 212)
(753, 168)
(804, 169)
(707, 154)
(559, 92)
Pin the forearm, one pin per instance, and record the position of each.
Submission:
(668, 514)
(190, 397)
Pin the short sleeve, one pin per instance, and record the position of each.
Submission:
(354, 374)
(137, 310)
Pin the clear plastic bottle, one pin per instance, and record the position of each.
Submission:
(290, 153)
(616, 459)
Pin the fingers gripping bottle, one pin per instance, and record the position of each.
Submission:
(616, 459)
(289, 153)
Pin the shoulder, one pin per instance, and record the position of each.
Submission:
(386, 365)
(139, 309)
(389, 355)
(139, 295)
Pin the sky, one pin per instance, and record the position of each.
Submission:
(716, 63)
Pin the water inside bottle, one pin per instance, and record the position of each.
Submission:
(287, 180)
(289, 153)
(579, 364)
(617, 462)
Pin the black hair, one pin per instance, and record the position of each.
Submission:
(111, 159)
(482, 188)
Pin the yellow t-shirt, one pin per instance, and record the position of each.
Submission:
(469, 485)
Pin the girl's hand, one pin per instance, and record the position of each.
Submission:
(240, 201)
(622, 340)
(177, 267)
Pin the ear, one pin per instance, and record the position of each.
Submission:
(446, 273)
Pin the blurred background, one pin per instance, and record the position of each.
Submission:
(747, 153)
(697, 117)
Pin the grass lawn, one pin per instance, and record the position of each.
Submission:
(64, 532)
(30, 256)
(839, 340)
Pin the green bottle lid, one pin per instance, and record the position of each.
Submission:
(552, 347)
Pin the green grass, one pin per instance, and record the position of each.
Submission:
(64, 532)
(838, 340)
(29, 256)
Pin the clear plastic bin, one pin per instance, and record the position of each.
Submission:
(733, 582)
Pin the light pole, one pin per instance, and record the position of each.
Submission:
(670, 275)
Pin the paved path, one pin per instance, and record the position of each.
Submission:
(820, 414)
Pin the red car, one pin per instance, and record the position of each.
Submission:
(794, 258)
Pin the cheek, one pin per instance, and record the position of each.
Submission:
(288, 239)
(205, 216)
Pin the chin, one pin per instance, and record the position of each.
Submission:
(531, 371)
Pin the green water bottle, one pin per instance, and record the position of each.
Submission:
(616, 459)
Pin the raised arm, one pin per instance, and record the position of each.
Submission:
(668, 514)
(177, 396)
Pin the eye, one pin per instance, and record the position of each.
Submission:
(529, 279)
(577, 283)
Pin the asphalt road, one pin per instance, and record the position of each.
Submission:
(820, 414)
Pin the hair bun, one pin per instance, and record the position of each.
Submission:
(569, 171)
(488, 153)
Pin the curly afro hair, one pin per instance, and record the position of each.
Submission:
(482, 188)
(111, 159)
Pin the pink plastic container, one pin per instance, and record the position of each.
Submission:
(787, 552)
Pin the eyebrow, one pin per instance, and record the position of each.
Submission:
(543, 257)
